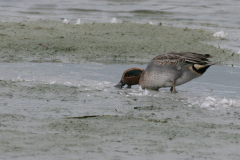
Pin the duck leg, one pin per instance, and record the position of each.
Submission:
(173, 88)
(129, 86)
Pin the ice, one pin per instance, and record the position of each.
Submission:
(146, 92)
(19, 79)
(208, 103)
(113, 20)
(220, 34)
(227, 103)
(150, 23)
(65, 21)
(211, 103)
(78, 21)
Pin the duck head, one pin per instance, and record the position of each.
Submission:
(130, 77)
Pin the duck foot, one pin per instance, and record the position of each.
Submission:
(129, 86)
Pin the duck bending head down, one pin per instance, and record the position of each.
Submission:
(167, 70)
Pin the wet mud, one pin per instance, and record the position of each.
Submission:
(53, 41)
(68, 108)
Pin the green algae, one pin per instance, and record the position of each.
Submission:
(45, 40)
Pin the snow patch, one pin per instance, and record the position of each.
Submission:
(220, 34)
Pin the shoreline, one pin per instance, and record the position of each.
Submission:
(72, 111)
(108, 43)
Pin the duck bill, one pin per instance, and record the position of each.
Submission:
(120, 84)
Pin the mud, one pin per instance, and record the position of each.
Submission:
(53, 41)
(177, 134)
(42, 104)
(46, 114)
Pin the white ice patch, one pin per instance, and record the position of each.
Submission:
(52, 82)
(238, 52)
(19, 79)
(212, 104)
(150, 23)
(65, 21)
(78, 21)
(146, 92)
(208, 103)
(141, 92)
(227, 103)
(103, 85)
(113, 20)
(68, 83)
(220, 34)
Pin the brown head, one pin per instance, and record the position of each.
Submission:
(130, 77)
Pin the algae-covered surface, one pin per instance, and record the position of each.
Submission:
(46, 40)
(67, 108)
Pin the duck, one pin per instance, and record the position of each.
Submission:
(167, 70)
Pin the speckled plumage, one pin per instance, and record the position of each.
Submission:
(173, 69)
(169, 70)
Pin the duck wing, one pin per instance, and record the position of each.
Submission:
(175, 59)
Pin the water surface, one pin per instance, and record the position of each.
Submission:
(212, 15)
(217, 89)
(200, 122)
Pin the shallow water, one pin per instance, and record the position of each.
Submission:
(93, 82)
(37, 97)
(200, 122)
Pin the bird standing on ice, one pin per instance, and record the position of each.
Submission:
(167, 70)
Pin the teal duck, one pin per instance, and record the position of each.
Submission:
(167, 70)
